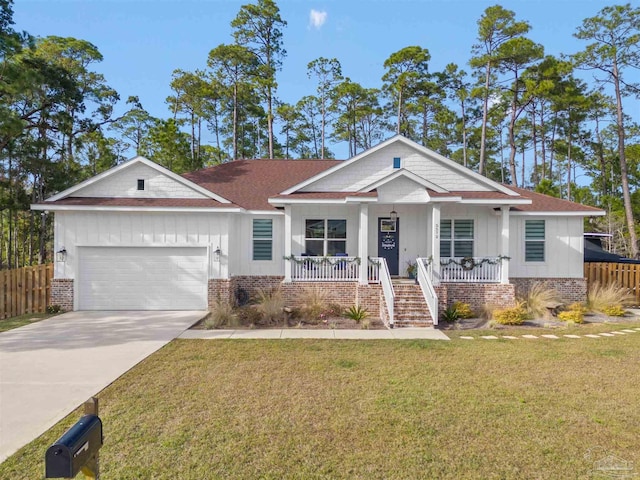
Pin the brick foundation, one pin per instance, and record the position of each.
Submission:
(62, 293)
(342, 293)
(477, 295)
(570, 289)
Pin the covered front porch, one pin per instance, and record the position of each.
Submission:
(366, 241)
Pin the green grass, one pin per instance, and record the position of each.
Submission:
(234, 409)
(22, 320)
(563, 329)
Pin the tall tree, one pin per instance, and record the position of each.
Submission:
(328, 73)
(404, 69)
(496, 26)
(457, 88)
(614, 46)
(259, 28)
(233, 67)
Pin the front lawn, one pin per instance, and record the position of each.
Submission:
(22, 320)
(367, 409)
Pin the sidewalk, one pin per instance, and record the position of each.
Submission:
(272, 333)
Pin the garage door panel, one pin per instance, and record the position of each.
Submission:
(142, 278)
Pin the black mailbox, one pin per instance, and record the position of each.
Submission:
(66, 457)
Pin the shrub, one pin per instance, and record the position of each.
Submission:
(249, 315)
(357, 313)
(601, 296)
(614, 311)
(578, 307)
(450, 315)
(334, 310)
(511, 316)
(222, 314)
(463, 309)
(540, 298)
(313, 303)
(575, 316)
(270, 303)
(365, 324)
(54, 309)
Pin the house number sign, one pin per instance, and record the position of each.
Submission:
(388, 242)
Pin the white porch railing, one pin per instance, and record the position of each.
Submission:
(471, 269)
(324, 269)
(387, 287)
(373, 270)
(429, 293)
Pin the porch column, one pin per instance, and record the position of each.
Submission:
(287, 243)
(435, 242)
(363, 243)
(504, 245)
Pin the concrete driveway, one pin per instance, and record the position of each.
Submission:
(49, 368)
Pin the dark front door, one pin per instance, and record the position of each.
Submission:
(388, 248)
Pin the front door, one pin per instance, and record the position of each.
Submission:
(388, 231)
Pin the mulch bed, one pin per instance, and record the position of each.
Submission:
(334, 323)
(482, 323)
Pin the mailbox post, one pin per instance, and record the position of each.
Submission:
(77, 449)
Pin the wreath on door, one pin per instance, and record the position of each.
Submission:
(467, 263)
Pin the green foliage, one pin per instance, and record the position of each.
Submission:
(54, 309)
(511, 316)
(463, 309)
(357, 313)
(450, 315)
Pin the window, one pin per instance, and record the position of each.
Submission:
(140, 184)
(263, 239)
(396, 162)
(325, 237)
(534, 233)
(456, 238)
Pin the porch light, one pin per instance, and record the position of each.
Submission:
(61, 255)
(216, 254)
(393, 215)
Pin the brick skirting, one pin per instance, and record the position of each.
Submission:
(570, 289)
(477, 295)
(342, 293)
(62, 293)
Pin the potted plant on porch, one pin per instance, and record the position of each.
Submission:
(412, 269)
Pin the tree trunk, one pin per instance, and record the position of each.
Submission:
(399, 110)
(512, 142)
(624, 176)
(270, 121)
(534, 137)
(485, 115)
(464, 134)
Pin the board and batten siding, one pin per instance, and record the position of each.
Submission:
(75, 230)
(564, 248)
(125, 184)
(301, 213)
(241, 259)
(379, 164)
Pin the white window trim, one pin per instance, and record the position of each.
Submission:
(325, 239)
(452, 239)
(253, 239)
(524, 247)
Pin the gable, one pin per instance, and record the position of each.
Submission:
(379, 164)
(124, 183)
(402, 190)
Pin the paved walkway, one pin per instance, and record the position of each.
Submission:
(396, 333)
(49, 368)
(550, 336)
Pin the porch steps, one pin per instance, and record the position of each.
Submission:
(410, 309)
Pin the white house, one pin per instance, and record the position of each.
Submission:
(141, 237)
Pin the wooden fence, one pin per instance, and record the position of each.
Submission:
(25, 290)
(624, 274)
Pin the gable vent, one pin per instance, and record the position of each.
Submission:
(396, 162)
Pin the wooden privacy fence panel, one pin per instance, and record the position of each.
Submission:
(624, 274)
(25, 290)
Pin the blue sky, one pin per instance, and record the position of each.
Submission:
(144, 41)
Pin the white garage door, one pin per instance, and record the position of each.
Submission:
(142, 278)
